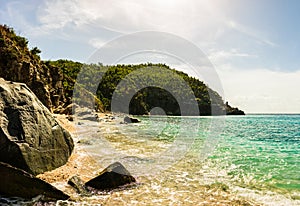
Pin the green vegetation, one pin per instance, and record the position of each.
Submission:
(126, 79)
(148, 85)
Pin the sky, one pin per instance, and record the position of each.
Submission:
(253, 45)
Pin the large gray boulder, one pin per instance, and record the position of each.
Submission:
(30, 137)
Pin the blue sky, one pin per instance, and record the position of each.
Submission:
(254, 44)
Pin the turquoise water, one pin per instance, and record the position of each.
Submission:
(264, 149)
(257, 157)
(256, 152)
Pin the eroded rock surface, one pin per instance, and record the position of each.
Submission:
(30, 138)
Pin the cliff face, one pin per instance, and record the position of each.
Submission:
(19, 64)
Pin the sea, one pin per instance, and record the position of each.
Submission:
(222, 160)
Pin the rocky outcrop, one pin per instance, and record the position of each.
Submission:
(30, 137)
(233, 110)
(112, 177)
(18, 183)
(19, 64)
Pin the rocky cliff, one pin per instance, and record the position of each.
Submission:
(19, 64)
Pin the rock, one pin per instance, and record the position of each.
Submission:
(83, 111)
(128, 119)
(232, 110)
(90, 118)
(70, 118)
(236, 112)
(79, 186)
(114, 176)
(68, 109)
(18, 183)
(30, 137)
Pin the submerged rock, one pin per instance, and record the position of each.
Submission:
(18, 183)
(112, 177)
(128, 119)
(30, 137)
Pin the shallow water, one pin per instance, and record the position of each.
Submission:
(256, 157)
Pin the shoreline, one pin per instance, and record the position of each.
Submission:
(83, 165)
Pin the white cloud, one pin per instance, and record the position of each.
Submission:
(174, 16)
(218, 56)
(199, 21)
(97, 42)
(251, 32)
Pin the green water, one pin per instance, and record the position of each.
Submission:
(262, 151)
(259, 152)
(256, 156)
